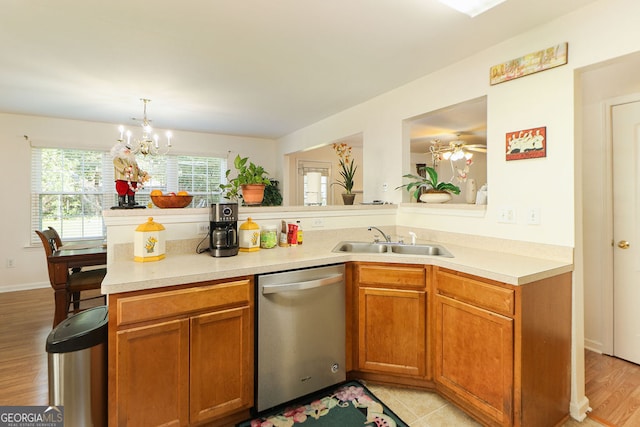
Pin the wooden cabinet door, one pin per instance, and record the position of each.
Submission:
(392, 333)
(474, 357)
(221, 363)
(152, 379)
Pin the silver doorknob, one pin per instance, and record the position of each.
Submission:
(623, 244)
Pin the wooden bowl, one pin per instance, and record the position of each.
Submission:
(165, 202)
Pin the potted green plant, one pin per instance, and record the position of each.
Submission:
(272, 196)
(441, 190)
(248, 184)
(347, 171)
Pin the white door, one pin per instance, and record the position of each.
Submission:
(625, 120)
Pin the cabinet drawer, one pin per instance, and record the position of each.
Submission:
(163, 304)
(392, 275)
(491, 297)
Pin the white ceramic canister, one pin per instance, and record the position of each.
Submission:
(249, 236)
(148, 242)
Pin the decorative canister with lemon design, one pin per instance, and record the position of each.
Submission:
(249, 236)
(148, 242)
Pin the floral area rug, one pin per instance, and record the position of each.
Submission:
(348, 405)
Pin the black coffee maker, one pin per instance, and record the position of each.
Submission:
(223, 227)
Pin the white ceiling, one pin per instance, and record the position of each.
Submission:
(242, 67)
(466, 121)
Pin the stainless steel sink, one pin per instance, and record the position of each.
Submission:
(431, 250)
(392, 248)
(362, 247)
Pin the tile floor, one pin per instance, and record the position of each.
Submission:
(426, 409)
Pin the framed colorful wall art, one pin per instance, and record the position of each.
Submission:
(527, 144)
(534, 62)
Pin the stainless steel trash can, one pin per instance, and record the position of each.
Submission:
(77, 356)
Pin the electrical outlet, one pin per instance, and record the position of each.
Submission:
(385, 187)
(203, 228)
(11, 263)
(507, 215)
(317, 222)
(533, 216)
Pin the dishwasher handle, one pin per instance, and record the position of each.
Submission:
(300, 286)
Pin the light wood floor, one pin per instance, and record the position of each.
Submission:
(612, 385)
(613, 388)
(25, 322)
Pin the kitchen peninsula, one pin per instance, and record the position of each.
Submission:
(510, 312)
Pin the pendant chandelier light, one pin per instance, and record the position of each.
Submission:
(146, 144)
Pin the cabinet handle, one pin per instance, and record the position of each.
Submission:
(299, 286)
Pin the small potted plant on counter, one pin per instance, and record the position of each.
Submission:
(436, 191)
(249, 183)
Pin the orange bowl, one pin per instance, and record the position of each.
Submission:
(165, 202)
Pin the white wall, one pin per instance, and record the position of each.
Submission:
(543, 99)
(30, 266)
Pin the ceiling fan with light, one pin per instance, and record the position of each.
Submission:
(453, 150)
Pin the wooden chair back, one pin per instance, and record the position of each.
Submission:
(67, 285)
(51, 242)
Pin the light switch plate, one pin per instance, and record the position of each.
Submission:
(507, 215)
(533, 216)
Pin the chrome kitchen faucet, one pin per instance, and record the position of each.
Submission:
(387, 237)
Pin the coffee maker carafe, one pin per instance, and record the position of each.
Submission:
(223, 227)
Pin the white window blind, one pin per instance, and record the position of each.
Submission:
(71, 188)
(201, 177)
(160, 170)
(68, 192)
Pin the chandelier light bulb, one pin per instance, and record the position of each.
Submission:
(145, 144)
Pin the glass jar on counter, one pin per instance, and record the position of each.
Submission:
(268, 237)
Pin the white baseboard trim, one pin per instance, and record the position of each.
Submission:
(578, 410)
(593, 345)
(24, 287)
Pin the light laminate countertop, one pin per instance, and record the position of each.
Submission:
(183, 268)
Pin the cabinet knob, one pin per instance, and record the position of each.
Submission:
(623, 244)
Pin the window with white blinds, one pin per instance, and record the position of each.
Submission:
(71, 188)
(201, 177)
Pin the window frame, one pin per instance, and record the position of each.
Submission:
(168, 181)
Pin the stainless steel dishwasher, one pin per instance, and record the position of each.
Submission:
(301, 333)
